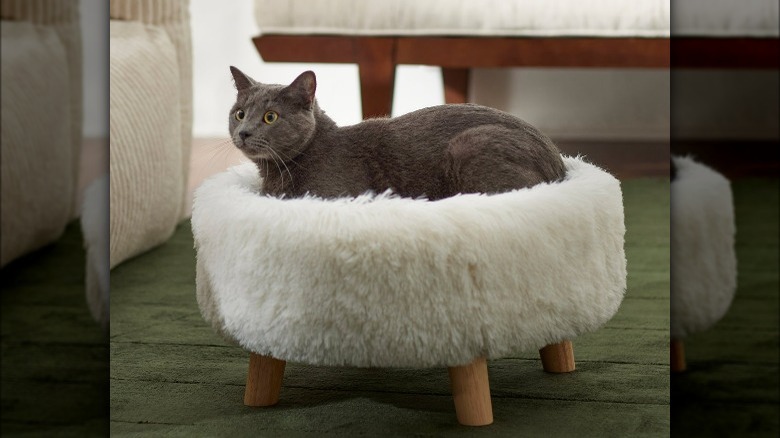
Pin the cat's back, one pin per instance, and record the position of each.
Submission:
(445, 121)
(442, 150)
(465, 114)
(439, 124)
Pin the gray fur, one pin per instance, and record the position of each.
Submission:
(434, 152)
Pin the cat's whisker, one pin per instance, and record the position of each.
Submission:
(218, 145)
(274, 154)
(263, 171)
(281, 174)
(290, 159)
(283, 163)
(213, 154)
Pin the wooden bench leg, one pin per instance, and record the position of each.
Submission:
(471, 392)
(456, 84)
(558, 358)
(677, 356)
(376, 68)
(264, 380)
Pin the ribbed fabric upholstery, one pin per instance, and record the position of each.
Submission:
(146, 180)
(63, 17)
(172, 16)
(37, 174)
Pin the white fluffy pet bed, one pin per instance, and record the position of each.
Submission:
(703, 263)
(382, 281)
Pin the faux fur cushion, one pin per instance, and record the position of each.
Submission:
(387, 281)
(703, 263)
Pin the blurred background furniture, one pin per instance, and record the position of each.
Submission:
(42, 122)
(54, 365)
(737, 41)
(703, 259)
(725, 34)
(150, 122)
(460, 35)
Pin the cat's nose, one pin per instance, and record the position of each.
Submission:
(244, 134)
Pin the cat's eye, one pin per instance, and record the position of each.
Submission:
(270, 117)
(240, 115)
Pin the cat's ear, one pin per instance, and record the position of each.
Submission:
(242, 81)
(303, 88)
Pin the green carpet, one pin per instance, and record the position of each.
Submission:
(54, 368)
(731, 387)
(172, 376)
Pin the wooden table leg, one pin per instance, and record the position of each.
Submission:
(264, 380)
(456, 84)
(558, 358)
(471, 392)
(376, 70)
(677, 356)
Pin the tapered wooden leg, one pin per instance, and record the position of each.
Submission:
(376, 68)
(456, 84)
(558, 358)
(264, 380)
(677, 356)
(471, 391)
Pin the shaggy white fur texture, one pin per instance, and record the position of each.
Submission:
(380, 281)
(94, 228)
(703, 264)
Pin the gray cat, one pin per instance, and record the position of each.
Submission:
(434, 152)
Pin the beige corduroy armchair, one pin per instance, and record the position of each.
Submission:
(150, 122)
(42, 122)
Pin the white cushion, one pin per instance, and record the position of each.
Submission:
(386, 281)
(599, 18)
(725, 18)
(37, 175)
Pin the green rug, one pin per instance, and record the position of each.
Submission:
(731, 387)
(171, 375)
(54, 368)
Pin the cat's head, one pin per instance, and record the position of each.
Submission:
(273, 122)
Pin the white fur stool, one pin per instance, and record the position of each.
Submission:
(381, 281)
(703, 263)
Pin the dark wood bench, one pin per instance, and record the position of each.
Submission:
(377, 57)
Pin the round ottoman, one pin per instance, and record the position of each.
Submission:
(383, 281)
(703, 261)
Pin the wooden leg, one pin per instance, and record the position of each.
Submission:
(471, 391)
(456, 85)
(377, 75)
(677, 356)
(264, 380)
(558, 358)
